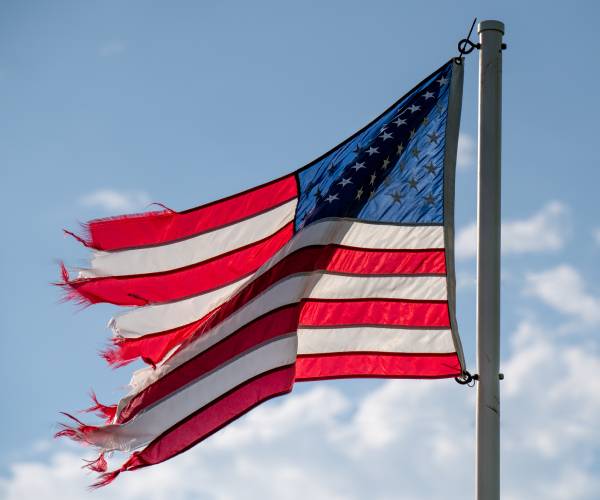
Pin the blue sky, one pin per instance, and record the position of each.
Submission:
(108, 106)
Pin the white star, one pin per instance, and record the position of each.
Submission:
(433, 137)
(386, 162)
(332, 197)
(399, 121)
(430, 167)
(372, 151)
(412, 133)
(373, 177)
(345, 182)
(396, 196)
(428, 95)
(414, 108)
(400, 149)
(357, 166)
(359, 193)
(442, 81)
(386, 135)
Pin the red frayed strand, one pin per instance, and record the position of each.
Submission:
(74, 432)
(69, 432)
(106, 478)
(75, 419)
(113, 357)
(105, 411)
(112, 218)
(78, 238)
(64, 274)
(71, 293)
(98, 465)
(132, 463)
(170, 210)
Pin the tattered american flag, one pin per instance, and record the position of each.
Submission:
(343, 268)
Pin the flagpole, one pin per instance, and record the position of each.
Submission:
(488, 261)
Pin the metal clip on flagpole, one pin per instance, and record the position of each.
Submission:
(488, 260)
(466, 46)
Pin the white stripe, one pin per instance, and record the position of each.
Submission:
(156, 419)
(364, 235)
(192, 250)
(317, 284)
(374, 339)
(161, 317)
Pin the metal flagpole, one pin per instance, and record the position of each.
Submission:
(488, 261)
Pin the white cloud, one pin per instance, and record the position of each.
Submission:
(391, 417)
(546, 230)
(112, 48)
(465, 242)
(466, 152)
(111, 200)
(596, 235)
(317, 408)
(465, 280)
(563, 289)
(405, 439)
(551, 401)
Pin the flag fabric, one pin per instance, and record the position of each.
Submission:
(343, 268)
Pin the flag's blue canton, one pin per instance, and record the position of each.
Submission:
(393, 171)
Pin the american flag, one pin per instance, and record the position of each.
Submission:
(343, 268)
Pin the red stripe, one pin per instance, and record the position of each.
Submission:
(199, 278)
(363, 261)
(155, 346)
(268, 327)
(365, 312)
(213, 417)
(378, 365)
(285, 320)
(146, 289)
(156, 228)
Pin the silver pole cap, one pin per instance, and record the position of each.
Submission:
(491, 25)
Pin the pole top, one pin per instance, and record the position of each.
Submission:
(491, 25)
